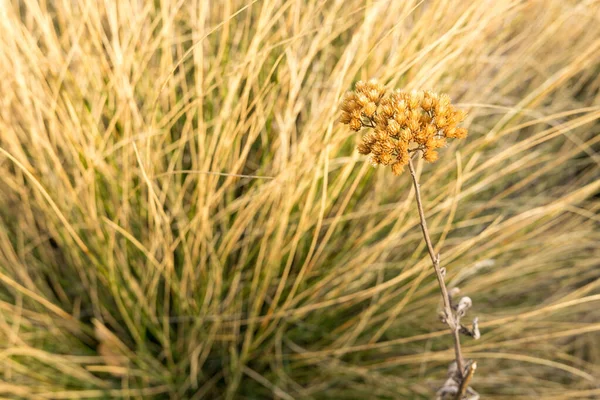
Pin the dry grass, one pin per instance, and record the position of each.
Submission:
(182, 217)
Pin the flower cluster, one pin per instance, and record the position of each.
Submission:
(403, 123)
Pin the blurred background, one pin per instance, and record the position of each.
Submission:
(182, 216)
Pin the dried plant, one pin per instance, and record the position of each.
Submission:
(404, 125)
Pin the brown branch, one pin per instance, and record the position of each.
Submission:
(449, 317)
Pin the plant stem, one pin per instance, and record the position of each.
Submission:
(449, 316)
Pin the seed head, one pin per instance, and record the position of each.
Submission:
(362, 102)
(403, 123)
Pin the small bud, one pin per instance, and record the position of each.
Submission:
(369, 109)
(461, 133)
(444, 99)
(369, 138)
(393, 127)
(442, 316)
(360, 86)
(441, 122)
(405, 135)
(427, 104)
(450, 133)
(345, 118)
(430, 155)
(362, 100)
(430, 130)
(441, 109)
(414, 101)
(397, 168)
(435, 143)
(363, 148)
(401, 118)
(355, 124)
(401, 148)
(463, 306)
(387, 111)
(386, 158)
(402, 106)
(374, 95)
(459, 116)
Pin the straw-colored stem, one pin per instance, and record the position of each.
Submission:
(449, 316)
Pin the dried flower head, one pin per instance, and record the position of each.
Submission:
(361, 105)
(403, 123)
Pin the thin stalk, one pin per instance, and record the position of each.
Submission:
(449, 316)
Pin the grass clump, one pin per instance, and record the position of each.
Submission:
(181, 216)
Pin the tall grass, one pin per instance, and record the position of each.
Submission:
(182, 217)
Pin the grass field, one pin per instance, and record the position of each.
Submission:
(182, 216)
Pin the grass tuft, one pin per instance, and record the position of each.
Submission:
(182, 217)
